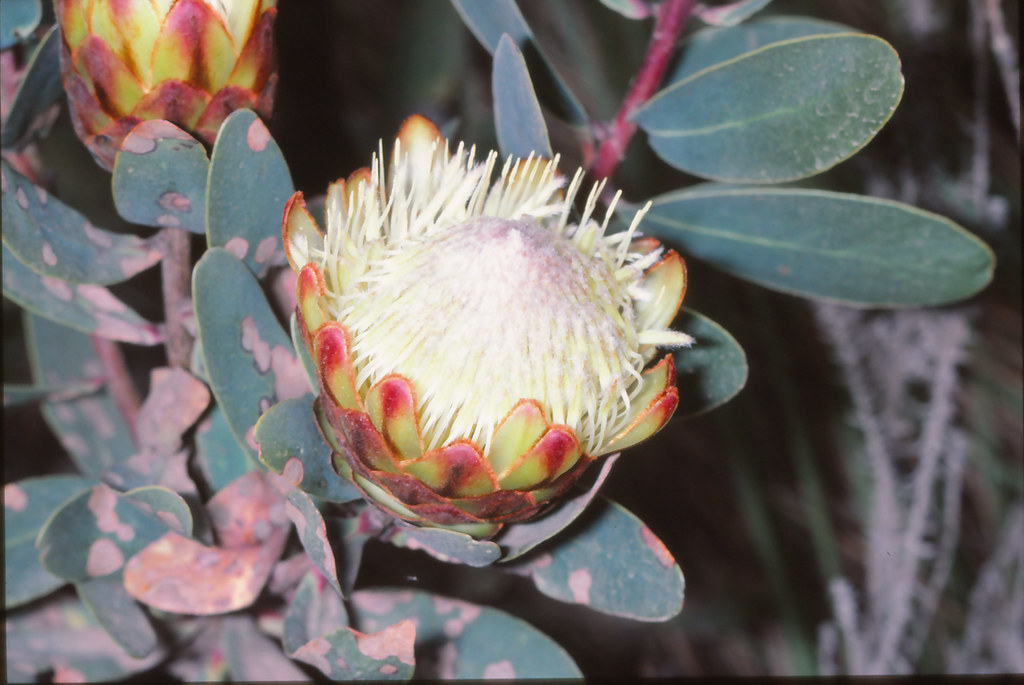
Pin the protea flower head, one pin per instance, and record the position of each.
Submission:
(476, 348)
(191, 62)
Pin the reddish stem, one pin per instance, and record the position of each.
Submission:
(118, 380)
(668, 24)
(175, 273)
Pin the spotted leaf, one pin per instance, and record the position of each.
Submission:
(89, 427)
(160, 177)
(456, 639)
(28, 504)
(291, 444)
(248, 185)
(54, 240)
(95, 533)
(249, 358)
(87, 307)
(611, 562)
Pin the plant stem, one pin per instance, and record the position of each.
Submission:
(668, 23)
(118, 380)
(175, 271)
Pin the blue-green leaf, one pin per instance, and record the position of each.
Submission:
(87, 307)
(290, 443)
(95, 533)
(18, 19)
(248, 186)
(611, 562)
(40, 88)
(488, 21)
(221, 459)
(17, 393)
(312, 613)
(248, 356)
(28, 504)
(712, 371)
(89, 427)
(252, 656)
(786, 111)
(517, 117)
(119, 615)
(835, 246)
(631, 9)
(316, 633)
(447, 545)
(160, 177)
(480, 642)
(55, 240)
(712, 46)
(730, 14)
(61, 637)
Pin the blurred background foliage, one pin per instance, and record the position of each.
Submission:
(763, 500)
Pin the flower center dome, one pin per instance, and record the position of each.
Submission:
(490, 312)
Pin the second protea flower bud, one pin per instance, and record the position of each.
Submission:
(475, 348)
(191, 62)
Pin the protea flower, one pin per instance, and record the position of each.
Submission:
(476, 348)
(191, 62)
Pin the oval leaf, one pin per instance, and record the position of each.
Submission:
(84, 306)
(55, 240)
(251, 656)
(28, 504)
(90, 427)
(218, 453)
(611, 562)
(119, 615)
(160, 177)
(248, 356)
(835, 246)
(489, 21)
(93, 534)
(248, 185)
(62, 641)
(712, 371)
(789, 110)
(290, 444)
(517, 117)
(40, 88)
(480, 642)
(447, 545)
(712, 46)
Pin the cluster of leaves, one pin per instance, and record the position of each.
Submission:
(207, 530)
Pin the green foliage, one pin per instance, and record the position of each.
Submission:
(784, 111)
(486, 643)
(160, 177)
(18, 19)
(208, 527)
(39, 89)
(249, 183)
(89, 427)
(248, 356)
(611, 562)
(87, 307)
(58, 242)
(27, 506)
(834, 246)
(517, 116)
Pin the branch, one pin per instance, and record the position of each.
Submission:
(119, 382)
(175, 272)
(668, 24)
